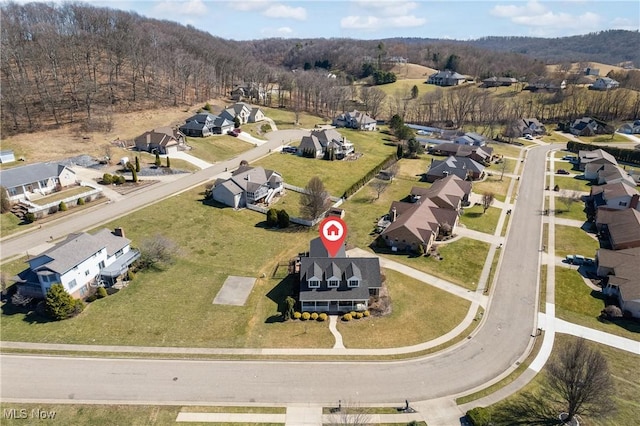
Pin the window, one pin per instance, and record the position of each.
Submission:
(72, 284)
(622, 203)
(83, 291)
(101, 265)
(353, 283)
(333, 283)
(86, 273)
(313, 283)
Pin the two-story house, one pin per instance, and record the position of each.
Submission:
(355, 120)
(319, 142)
(78, 262)
(337, 284)
(604, 83)
(248, 185)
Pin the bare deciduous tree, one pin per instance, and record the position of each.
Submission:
(579, 376)
(156, 251)
(315, 201)
(568, 199)
(379, 186)
(487, 200)
(350, 415)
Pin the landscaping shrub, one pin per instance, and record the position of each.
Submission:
(30, 217)
(314, 316)
(157, 162)
(272, 217)
(112, 290)
(359, 315)
(91, 298)
(346, 317)
(283, 219)
(479, 416)
(322, 317)
(80, 201)
(63, 206)
(297, 315)
(102, 292)
(59, 304)
(611, 312)
(107, 179)
(366, 313)
(306, 316)
(353, 314)
(130, 275)
(121, 180)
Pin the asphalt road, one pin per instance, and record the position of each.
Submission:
(501, 340)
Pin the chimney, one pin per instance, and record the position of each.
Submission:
(119, 232)
(634, 201)
(393, 215)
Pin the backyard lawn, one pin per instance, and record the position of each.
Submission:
(572, 240)
(626, 379)
(577, 303)
(419, 313)
(217, 148)
(337, 176)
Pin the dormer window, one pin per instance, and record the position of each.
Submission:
(333, 283)
(313, 282)
(353, 283)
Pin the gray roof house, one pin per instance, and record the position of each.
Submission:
(498, 81)
(79, 262)
(632, 128)
(337, 284)
(37, 179)
(585, 126)
(596, 156)
(481, 154)
(604, 83)
(621, 269)
(245, 113)
(163, 140)
(355, 120)
(199, 125)
(471, 138)
(463, 167)
(247, 185)
(319, 141)
(446, 78)
(525, 126)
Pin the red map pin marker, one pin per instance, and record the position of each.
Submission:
(333, 232)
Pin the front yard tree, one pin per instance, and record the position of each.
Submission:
(414, 92)
(283, 219)
(137, 164)
(59, 304)
(157, 163)
(400, 152)
(236, 122)
(580, 376)
(487, 200)
(5, 202)
(568, 199)
(315, 200)
(290, 303)
(379, 186)
(414, 148)
(134, 174)
(396, 122)
(272, 218)
(168, 163)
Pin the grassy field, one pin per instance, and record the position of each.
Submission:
(9, 223)
(286, 119)
(606, 139)
(217, 148)
(419, 313)
(494, 185)
(575, 210)
(577, 303)
(626, 378)
(148, 160)
(337, 176)
(572, 183)
(572, 240)
(474, 218)
(133, 415)
(508, 150)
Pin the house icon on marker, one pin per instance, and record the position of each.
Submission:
(333, 231)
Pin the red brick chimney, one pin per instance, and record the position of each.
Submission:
(119, 232)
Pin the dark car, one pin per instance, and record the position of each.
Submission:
(562, 172)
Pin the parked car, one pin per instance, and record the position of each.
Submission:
(562, 172)
(528, 137)
(234, 132)
(290, 149)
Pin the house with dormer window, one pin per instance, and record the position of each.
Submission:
(337, 284)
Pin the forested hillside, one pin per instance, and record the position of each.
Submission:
(75, 63)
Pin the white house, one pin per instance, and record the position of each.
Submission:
(355, 120)
(605, 83)
(77, 263)
(36, 179)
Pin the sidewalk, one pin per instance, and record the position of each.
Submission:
(182, 155)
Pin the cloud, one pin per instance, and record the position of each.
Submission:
(359, 22)
(387, 8)
(624, 24)
(283, 11)
(374, 22)
(248, 5)
(281, 32)
(545, 22)
(190, 7)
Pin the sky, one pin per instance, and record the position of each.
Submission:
(377, 19)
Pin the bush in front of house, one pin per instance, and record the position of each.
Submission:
(359, 315)
(611, 312)
(306, 316)
(314, 316)
(30, 217)
(346, 317)
(323, 317)
(297, 315)
(80, 201)
(272, 218)
(107, 179)
(366, 313)
(63, 206)
(59, 304)
(91, 298)
(101, 293)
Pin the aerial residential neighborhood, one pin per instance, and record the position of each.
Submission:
(165, 188)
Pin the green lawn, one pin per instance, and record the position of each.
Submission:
(626, 378)
(174, 307)
(217, 148)
(57, 196)
(420, 313)
(494, 185)
(605, 139)
(133, 415)
(285, 119)
(9, 223)
(337, 176)
(575, 210)
(508, 150)
(577, 303)
(555, 138)
(571, 183)
(402, 88)
(147, 160)
(474, 218)
(572, 240)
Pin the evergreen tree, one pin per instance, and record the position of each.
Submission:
(168, 163)
(236, 122)
(400, 152)
(5, 202)
(272, 217)
(157, 159)
(283, 219)
(59, 304)
(137, 164)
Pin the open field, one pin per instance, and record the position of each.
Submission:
(577, 303)
(626, 378)
(419, 313)
(412, 71)
(606, 139)
(286, 119)
(571, 240)
(217, 148)
(337, 176)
